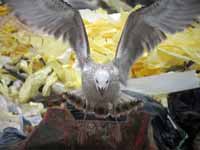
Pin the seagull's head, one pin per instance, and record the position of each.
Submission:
(102, 80)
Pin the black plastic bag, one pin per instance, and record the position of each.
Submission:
(185, 111)
(167, 134)
(196, 142)
(142, 2)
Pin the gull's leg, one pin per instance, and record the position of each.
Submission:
(122, 107)
(116, 134)
(77, 98)
(117, 131)
(85, 110)
(125, 104)
(82, 137)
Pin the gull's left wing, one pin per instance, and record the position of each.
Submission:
(146, 28)
(57, 18)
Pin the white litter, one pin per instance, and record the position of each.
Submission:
(165, 83)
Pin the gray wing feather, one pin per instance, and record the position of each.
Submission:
(57, 18)
(146, 28)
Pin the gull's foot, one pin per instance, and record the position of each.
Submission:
(126, 104)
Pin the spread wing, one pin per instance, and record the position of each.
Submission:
(57, 18)
(146, 28)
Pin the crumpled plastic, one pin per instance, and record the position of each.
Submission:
(9, 120)
(3, 10)
(33, 83)
(32, 112)
(4, 60)
(10, 136)
(3, 104)
(5, 90)
(22, 117)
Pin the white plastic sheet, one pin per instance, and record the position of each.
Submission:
(164, 83)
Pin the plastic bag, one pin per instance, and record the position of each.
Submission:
(185, 110)
(166, 133)
(10, 136)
